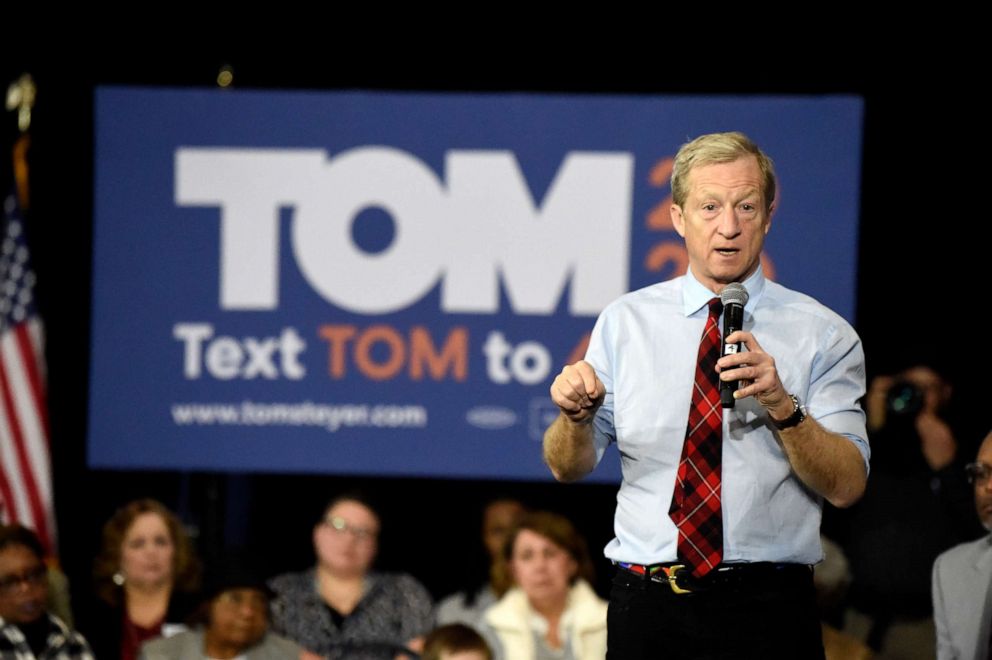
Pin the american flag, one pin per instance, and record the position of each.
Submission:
(25, 461)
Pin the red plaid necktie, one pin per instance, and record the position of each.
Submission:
(696, 503)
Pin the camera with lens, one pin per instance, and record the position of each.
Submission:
(904, 400)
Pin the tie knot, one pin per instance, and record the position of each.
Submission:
(716, 307)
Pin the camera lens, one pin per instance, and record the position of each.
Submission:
(904, 399)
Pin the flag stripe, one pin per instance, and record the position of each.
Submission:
(36, 331)
(17, 462)
(7, 515)
(34, 494)
(16, 507)
(29, 359)
(30, 410)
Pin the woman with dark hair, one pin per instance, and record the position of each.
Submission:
(341, 609)
(552, 612)
(146, 575)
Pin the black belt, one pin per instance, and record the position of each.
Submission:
(725, 576)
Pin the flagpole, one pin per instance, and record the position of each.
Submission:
(20, 98)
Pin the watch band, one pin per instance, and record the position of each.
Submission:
(796, 418)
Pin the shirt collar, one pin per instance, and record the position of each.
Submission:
(695, 296)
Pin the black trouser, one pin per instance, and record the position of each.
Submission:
(768, 617)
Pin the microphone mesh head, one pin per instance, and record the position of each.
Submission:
(734, 294)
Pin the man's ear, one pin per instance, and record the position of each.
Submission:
(768, 219)
(678, 221)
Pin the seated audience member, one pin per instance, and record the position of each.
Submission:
(146, 575)
(498, 520)
(916, 500)
(831, 577)
(552, 611)
(235, 617)
(341, 609)
(27, 629)
(962, 577)
(455, 641)
(59, 602)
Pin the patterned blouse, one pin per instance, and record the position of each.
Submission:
(394, 609)
(62, 643)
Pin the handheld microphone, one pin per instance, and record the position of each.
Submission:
(733, 297)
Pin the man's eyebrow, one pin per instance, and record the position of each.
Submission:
(706, 193)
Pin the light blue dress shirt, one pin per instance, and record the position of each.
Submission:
(644, 349)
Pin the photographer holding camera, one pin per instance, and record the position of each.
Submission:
(917, 504)
(913, 401)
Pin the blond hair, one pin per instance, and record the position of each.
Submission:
(715, 148)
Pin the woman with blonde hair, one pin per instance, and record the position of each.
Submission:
(552, 612)
(146, 576)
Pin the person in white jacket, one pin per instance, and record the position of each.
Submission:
(552, 612)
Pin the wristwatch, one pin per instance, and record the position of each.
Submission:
(796, 418)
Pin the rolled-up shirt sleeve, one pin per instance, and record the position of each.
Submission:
(837, 384)
(600, 356)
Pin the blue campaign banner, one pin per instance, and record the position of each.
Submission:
(387, 283)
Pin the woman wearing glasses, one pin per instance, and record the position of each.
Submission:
(27, 629)
(341, 609)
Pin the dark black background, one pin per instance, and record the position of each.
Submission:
(922, 243)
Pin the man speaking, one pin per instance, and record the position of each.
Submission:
(718, 516)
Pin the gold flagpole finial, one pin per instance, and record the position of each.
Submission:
(20, 97)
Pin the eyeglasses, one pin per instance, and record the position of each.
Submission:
(978, 473)
(340, 525)
(33, 578)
